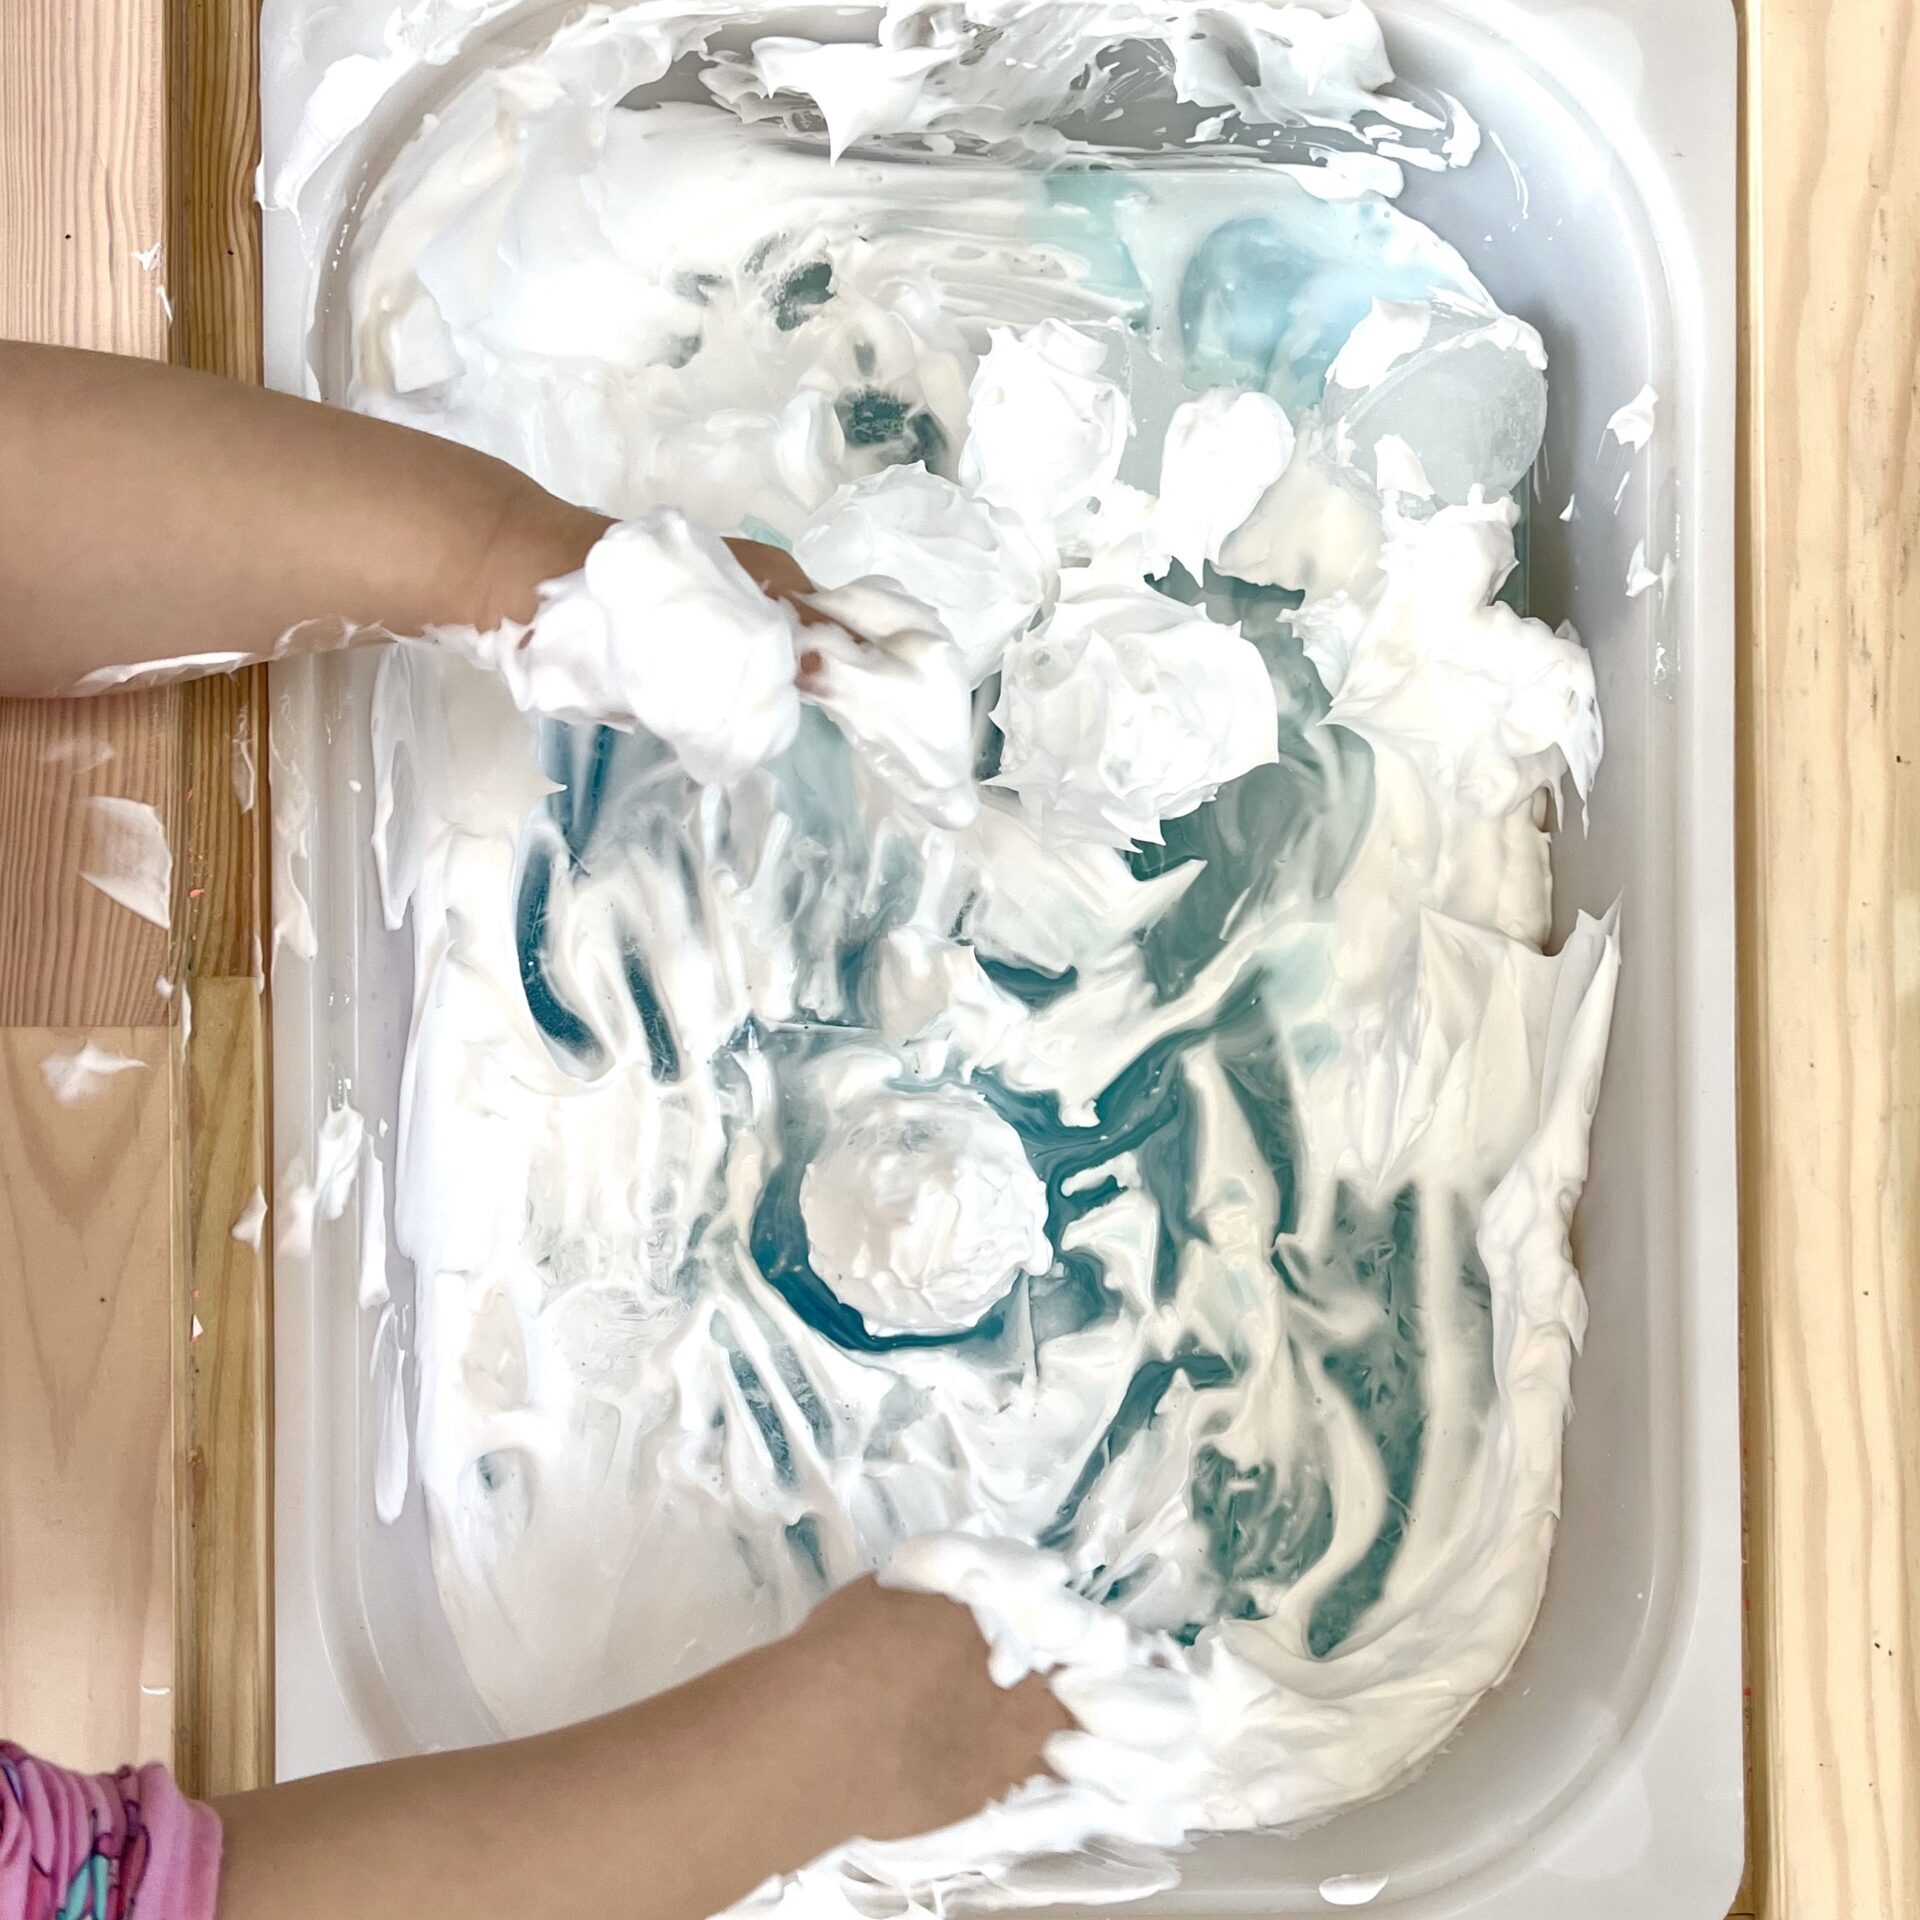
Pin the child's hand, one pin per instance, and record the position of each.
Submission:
(777, 574)
(781, 577)
(907, 1714)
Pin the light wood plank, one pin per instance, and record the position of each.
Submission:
(86, 1343)
(87, 1226)
(1830, 927)
(86, 194)
(69, 955)
(83, 180)
(83, 197)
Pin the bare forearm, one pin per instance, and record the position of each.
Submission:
(663, 1812)
(151, 513)
(878, 1719)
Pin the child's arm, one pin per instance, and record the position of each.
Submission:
(877, 1719)
(150, 513)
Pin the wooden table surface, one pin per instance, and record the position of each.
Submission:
(135, 1602)
(135, 1427)
(1829, 835)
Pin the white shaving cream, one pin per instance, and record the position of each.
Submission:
(1064, 1051)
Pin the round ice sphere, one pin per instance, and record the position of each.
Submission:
(922, 1210)
(1457, 396)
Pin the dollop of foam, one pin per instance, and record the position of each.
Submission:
(968, 560)
(1128, 709)
(1046, 427)
(934, 1001)
(1222, 452)
(922, 1211)
(1409, 670)
(900, 691)
(80, 1075)
(1391, 331)
(661, 628)
(1633, 425)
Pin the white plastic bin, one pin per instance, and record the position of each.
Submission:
(1605, 1777)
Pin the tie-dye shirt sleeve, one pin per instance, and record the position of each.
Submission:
(102, 1846)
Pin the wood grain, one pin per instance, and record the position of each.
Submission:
(225, 1714)
(87, 1221)
(69, 956)
(127, 223)
(224, 1737)
(83, 180)
(86, 1539)
(214, 248)
(226, 854)
(83, 194)
(214, 245)
(1830, 928)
